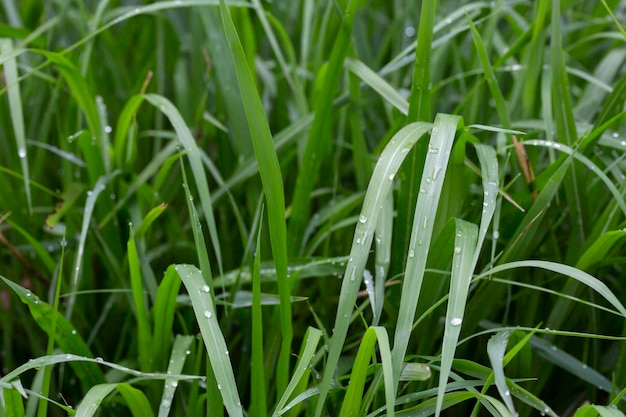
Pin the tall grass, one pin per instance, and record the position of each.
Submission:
(312, 208)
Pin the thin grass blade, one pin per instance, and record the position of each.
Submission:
(179, 355)
(17, 115)
(496, 348)
(214, 342)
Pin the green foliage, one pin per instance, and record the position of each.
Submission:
(308, 208)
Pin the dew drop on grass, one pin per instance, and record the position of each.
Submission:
(219, 387)
(496, 234)
(425, 223)
(457, 250)
(187, 352)
(99, 359)
(456, 321)
(21, 152)
(391, 176)
(205, 288)
(409, 31)
(28, 293)
(411, 253)
(63, 243)
(74, 331)
(623, 143)
(108, 129)
(208, 314)
(615, 134)
(174, 384)
(362, 218)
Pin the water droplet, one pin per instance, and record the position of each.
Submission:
(205, 288)
(358, 240)
(174, 384)
(409, 31)
(425, 222)
(63, 243)
(448, 20)
(411, 253)
(507, 393)
(516, 67)
(391, 176)
(456, 321)
(166, 404)
(21, 152)
(99, 359)
(28, 293)
(623, 143)
(74, 331)
(496, 235)
(208, 314)
(457, 250)
(362, 218)
(615, 135)
(108, 129)
(423, 190)
(428, 180)
(226, 353)
(187, 352)
(219, 387)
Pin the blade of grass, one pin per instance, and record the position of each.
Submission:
(271, 178)
(258, 402)
(193, 155)
(380, 184)
(462, 270)
(430, 188)
(214, 342)
(177, 361)
(311, 340)
(144, 337)
(17, 116)
(136, 400)
(496, 347)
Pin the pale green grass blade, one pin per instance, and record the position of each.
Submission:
(380, 185)
(384, 234)
(212, 335)
(91, 401)
(566, 270)
(258, 401)
(92, 196)
(144, 336)
(193, 154)
(489, 169)
(179, 355)
(311, 340)
(163, 316)
(17, 116)
(430, 188)
(271, 178)
(136, 400)
(496, 348)
(319, 143)
(378, 84)
(462, 270)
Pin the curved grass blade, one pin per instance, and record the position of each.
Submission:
(212, 335)
(380, 185)
(384, 233)
(258, 402)
(430, 188)
(91, 401)
(311, 340)
(193, 154)
(163, 316)
(17, 115)
(136, 400)
(496, 347)
(462, 270)
(566, 270)
(90, 203)
(271, 178)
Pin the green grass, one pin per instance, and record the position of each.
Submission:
(312, 208)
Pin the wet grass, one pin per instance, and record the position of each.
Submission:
(312, 208)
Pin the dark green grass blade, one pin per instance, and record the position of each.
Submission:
(66, 337)
(380, 185)
(271, 178)
(319, 142)
(163, 316)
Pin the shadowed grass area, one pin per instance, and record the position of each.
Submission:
(312, 208)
